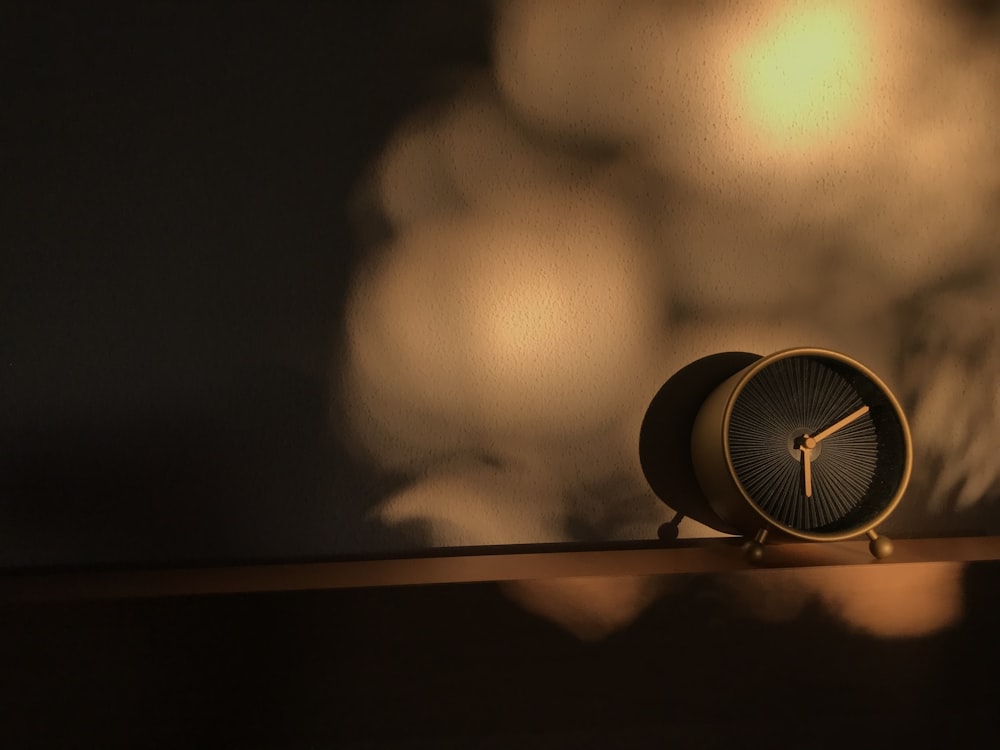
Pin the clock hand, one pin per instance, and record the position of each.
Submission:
(810, 441)
(836, 426)
(807, 469)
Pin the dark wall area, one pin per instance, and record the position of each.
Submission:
(174, 193)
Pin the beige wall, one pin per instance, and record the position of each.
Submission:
(632, 186)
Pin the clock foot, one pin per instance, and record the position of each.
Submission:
(879, 546)
(753, 550)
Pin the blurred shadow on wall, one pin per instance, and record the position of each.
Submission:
(632, 190)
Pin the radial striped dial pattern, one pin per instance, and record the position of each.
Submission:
(816, 443)
(771, 416)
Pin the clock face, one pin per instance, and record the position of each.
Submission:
(817, 443)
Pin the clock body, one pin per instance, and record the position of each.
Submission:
(805, 444)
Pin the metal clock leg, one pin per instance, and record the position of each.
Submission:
(753, 550)
(879, 546)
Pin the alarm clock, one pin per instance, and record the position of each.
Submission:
(803, 444)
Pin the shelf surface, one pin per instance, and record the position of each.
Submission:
(706, 556)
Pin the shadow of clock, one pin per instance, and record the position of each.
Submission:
(665, 439)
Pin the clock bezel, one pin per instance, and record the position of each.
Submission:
(733, 504)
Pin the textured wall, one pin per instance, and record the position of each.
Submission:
(630, 186)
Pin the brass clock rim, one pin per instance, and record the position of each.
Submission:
(769, 359)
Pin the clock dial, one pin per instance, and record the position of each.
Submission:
(816, 443)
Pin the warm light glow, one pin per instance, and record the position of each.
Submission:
(535, 321)
(519, 316)
(804, 76)
(591, 608)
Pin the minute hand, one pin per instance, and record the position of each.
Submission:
(841, 424)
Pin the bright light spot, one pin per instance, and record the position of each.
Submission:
(804, 76)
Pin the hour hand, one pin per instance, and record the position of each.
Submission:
(807, 470)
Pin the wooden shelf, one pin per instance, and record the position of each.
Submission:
(706, 556)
